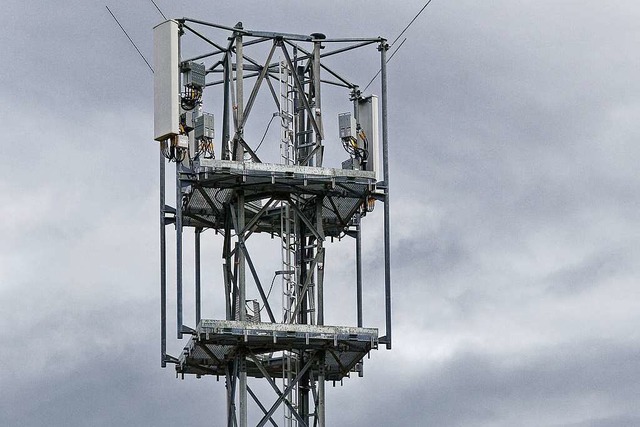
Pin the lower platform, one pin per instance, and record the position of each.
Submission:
(216, 343)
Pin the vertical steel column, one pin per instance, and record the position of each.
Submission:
(243, 390)
(163, 267)
(226, 265)
(198, 232)
(302, 298)
(239, 150)
(355, 96)
(385, 162)
(178, 251)
(239, 156)
(320, 404)
(303, 391)
(241, 307)
(231, 382)
(241, 258)
(225, 108)
(302, 254)
(320, 264)
(317, 45)
(300, 128)
(359, 269)
(178, 229)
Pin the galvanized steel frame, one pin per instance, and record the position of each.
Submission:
(236, 255)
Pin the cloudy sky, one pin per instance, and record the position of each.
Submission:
(515, 239)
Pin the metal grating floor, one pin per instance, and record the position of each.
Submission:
(218, 342)
(342, 192)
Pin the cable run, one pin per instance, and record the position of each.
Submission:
(399, 46)
(412, 21)
(388, 59)
(265, 132)
(125, 33)
(154, 3)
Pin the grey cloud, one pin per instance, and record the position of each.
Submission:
(591, 272)
(614, 421)
(513, 132)
(546, 388)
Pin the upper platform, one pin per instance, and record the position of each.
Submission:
(341, 191)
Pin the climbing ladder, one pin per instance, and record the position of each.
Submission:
(288, 235)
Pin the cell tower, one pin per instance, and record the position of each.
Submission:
(226, 191)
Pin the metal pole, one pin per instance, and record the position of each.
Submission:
(226, 264)
(301, 307)
(243, 390)
(385, 162)
(320, 403)
(320, 265)
(198, 232)
(239, 153)
(239, 156)
(317, 46)
(355, 96)
(320, 408)
(232, 370)
(163, 268)
(242, 312)
(359, 269)
(178, 251)
(225, 108)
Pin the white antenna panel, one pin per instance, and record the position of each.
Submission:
(166, 81)
(368, 118)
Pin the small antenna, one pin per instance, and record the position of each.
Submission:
(125, 33)
(396, 39)
(154, 3)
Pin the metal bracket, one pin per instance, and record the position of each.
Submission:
(171, 359)
(187, 330)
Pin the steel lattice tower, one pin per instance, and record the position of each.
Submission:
(297, 200)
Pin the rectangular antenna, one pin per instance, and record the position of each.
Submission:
(166, 81)
(368, 118)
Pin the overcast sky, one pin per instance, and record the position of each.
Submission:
(515, 201)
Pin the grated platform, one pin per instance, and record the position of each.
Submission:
(217, 342)
(342, 192)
